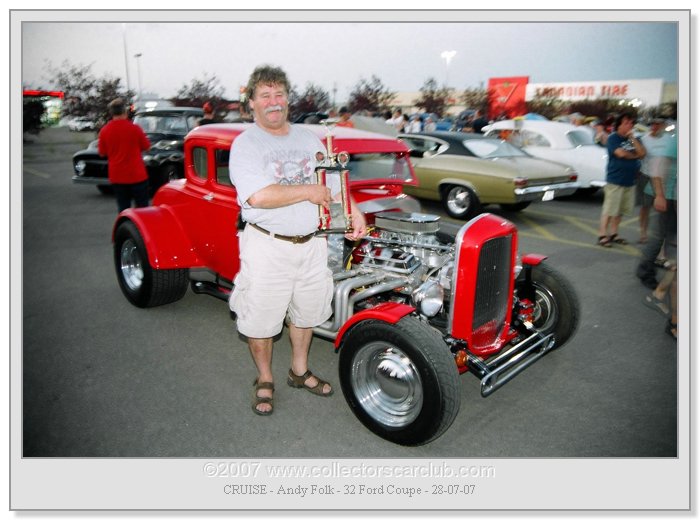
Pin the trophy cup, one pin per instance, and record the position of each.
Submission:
(332, 173)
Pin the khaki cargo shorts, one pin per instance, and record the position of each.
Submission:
(619, 200)
(280, 279)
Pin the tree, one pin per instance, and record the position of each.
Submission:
(476, 99)
(200, 91)
(433, 99)
(32, 110)
(370, 95)
(85, 94)
(313, 99)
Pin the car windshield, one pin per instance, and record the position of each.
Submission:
(492, 148)
(376, 166)
(162, 124)
(580, 138)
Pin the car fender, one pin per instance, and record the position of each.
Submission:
(390, 312)
(460, 182)
(166, 242)
(532, 259)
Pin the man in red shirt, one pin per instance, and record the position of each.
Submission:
(122, 142)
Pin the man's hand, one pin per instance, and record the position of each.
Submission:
(359, 225)
(660, 203)
(319, 194)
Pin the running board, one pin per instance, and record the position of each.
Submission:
(211, 288)
(497, 371)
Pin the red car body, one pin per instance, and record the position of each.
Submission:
(412, 308)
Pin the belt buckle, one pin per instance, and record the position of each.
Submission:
(298, 239)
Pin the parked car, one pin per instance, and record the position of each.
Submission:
(412, 307)
(466, 171)
(561, 142)
(80, 124)
(166, 128)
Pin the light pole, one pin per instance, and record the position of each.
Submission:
(138, 71)
(126, 57)
(447, 56)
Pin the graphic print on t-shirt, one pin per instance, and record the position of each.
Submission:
(291, 168)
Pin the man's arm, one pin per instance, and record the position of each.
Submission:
(277, 196)
(638, 153)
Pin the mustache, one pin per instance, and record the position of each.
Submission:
(273, 108)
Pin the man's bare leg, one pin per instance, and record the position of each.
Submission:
(301, 341)
(261, 351)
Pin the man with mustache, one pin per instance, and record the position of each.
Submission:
(284, 272)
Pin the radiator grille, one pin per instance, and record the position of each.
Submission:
(491, 303)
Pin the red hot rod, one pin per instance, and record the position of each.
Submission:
(413, 307)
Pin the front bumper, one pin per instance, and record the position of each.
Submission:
(545, 191)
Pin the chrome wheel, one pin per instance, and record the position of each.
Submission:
(460, 202)
(545, 313)
(131, 265)
(387, 384)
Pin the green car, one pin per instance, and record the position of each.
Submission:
(466, 171)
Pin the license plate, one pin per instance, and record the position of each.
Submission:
(548, 195)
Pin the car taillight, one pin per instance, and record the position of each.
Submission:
(573, 177)
(520, 182)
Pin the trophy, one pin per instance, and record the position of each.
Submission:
(332, 173)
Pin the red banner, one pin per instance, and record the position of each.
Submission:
(507, 97)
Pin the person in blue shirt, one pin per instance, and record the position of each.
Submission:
(625, 152)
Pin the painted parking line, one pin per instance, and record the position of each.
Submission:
(37, 173)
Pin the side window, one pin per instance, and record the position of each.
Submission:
(199, 158)
(222, 176)
(531, 138)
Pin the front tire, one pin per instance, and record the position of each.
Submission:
(401, 380)
(460, 202)
(142, 285)
(557, 307)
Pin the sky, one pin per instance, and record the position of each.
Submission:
(336, 56)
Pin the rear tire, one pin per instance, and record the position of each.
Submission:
(142, 285)
(401, 380)
(460, 202)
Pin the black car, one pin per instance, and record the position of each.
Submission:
(166, 129)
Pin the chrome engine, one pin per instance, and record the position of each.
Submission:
(402, 260)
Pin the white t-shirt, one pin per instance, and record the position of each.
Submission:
(259, 159)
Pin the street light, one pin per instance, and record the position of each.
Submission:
(138, 71)
(447, 56)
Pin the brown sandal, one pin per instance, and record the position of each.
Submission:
(257, 400)
(296, 381)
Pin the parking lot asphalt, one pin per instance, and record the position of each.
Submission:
(101, 378)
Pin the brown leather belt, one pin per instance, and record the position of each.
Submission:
(298, 239)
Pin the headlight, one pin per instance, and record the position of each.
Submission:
(80, 167)
(166, 145)
(428, 297)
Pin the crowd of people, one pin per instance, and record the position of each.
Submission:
(642, 171)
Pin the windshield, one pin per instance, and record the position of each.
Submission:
(163, 124)
(580, 138)
(492, 148)
(377, 166)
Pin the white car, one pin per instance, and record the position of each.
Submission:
(560, 142)
(81, 123)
